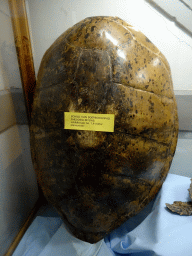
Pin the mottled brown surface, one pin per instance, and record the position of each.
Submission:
(190, 190)
(97, 180)
(182, 208)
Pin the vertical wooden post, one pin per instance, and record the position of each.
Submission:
(24, 50)
(27, 72)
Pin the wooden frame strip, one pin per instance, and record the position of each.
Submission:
(24, 50)
(27, 72)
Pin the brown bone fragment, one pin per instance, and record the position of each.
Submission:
(182, 208)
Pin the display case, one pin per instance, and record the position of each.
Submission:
(31, 27)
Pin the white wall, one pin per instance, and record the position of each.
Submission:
(49, 19)
(9, 70)
(18, 187)
(182, 162)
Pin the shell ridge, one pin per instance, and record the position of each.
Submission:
(139, 42)
(143, 137)
(142, 90)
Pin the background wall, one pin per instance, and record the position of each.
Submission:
(18, 188)
(49, 19)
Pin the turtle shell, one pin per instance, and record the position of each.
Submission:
(97, 180)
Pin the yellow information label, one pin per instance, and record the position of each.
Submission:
(89, 121)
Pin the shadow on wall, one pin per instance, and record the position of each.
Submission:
(11, 81)
(9, 66)
(19, 106)
(182, 160)
(14, 189)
